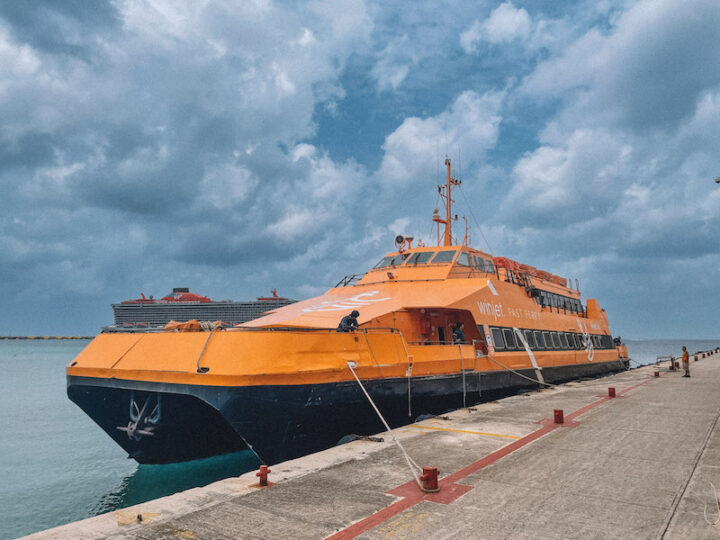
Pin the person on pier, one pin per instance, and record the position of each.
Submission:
(686, 362)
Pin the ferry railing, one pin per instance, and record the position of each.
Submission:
(349, 280)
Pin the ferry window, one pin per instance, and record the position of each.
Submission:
(498, 338)
(420, 257)
(444, 256)
(509, 338)
(548, 341)
(555, 340)
(572, 338)
(399, 259)
(563, 340)
(539, 340)
(464, 259)
(383, 262)
(530, 338)
(608, 342)
(478, 263)
(489, 266)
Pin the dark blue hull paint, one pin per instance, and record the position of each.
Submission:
(285, 422)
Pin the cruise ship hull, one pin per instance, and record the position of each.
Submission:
(181, 422)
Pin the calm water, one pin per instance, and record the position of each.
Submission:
(57, 466)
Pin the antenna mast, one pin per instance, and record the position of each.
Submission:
(445, 193)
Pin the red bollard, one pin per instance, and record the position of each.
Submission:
(657, 373)
(263, 474)
(677, 364)
(429, 480)
(611, 392)
(559, 417)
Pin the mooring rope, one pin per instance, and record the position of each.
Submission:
(205, 347)
(417, 470)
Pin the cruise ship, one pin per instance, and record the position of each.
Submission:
(289, 383)
(141, 314)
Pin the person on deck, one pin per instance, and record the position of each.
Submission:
(458, 334)
(349, 322)
(686, 362)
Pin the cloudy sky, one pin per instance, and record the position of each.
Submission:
(236, 146)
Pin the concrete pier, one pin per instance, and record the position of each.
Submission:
(642, 464)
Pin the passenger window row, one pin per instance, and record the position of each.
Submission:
(505, 339)
(558, 301)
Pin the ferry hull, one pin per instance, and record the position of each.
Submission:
(165, 423)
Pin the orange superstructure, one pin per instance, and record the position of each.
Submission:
(282, 384)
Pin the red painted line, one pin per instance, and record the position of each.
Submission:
(504, 451)
(412, 494)
(379, 517)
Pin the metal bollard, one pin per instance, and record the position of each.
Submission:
(559, 417)
(657, 373)
(611, 392)
(429, 480)
(263, 474)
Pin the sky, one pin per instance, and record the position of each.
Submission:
(234, 147)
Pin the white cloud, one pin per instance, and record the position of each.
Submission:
(394, 63)
(468, 128)
(225, 186)
(505, 24)
(644, 72)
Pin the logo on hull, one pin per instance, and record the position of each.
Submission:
(357, 301)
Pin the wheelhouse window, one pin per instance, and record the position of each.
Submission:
(383, 262)
(498, 338)
(509, 338)
(392, 260)
(479, 263)
(463, 259)
(444, 256)
(489, 266)
(420, 257)
(539, 341)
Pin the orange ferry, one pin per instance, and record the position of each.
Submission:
(284, 385)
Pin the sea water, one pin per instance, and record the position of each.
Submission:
(57, 466)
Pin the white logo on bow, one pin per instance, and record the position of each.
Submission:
(587, 341)
(357, 301)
